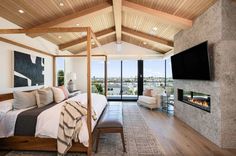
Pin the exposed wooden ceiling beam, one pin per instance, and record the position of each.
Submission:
(160, 15)
(43, 30)
(95, 38)
(77, 16)
(99, 34)
(141, 35)
(50, 30)
(117, 8)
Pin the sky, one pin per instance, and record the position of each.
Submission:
(154, 68)
(60, 63)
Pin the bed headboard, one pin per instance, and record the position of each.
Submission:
(4, 97)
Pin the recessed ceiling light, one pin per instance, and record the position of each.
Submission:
(93, 43)
(59, 37)
(154, 28)
(21, 11)
(135, 26)
(77, 24)
(83, 34)
(144, 43)
(61, 4)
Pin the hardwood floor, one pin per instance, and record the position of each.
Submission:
(177, 138)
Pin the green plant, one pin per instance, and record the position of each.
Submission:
(99, 88)
(60, 78)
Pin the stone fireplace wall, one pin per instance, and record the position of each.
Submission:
(213, 25)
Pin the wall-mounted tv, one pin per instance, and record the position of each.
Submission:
(192, 63)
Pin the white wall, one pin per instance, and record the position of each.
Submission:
(6, 57)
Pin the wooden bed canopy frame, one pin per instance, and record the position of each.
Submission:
(50, 144)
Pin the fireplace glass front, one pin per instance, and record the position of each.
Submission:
(199, 100)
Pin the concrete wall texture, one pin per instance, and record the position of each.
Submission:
(218, 26)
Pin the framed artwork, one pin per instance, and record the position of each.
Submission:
(28, 70)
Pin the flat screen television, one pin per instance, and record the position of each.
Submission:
(192, 63)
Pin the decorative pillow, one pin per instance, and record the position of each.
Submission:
(58, 94)
(65, 91)
(6, 106)
(44, 97)
(147, 92)
(24, 100)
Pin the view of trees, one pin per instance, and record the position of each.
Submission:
(97, 88)
(60, 77)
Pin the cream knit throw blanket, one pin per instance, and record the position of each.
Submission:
(70, 125)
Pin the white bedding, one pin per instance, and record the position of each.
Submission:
(48, 120)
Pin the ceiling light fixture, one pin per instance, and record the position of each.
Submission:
(77, 24)
(21, 11)
(93, 43)
(144, 43)
(83, 33)
(154, 28)
(59, 37)
(61, 4)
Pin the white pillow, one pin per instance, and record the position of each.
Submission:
(6, 106)
(58, 94)
(24, 100)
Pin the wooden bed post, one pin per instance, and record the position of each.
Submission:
(105, 75)
(89, 94)
(54, 71)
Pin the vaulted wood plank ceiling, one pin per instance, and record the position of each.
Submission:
(150, 24)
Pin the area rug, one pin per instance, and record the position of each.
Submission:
(138, 137)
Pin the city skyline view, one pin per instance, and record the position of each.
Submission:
(152, 68)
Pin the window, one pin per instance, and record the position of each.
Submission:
(60, 68)
(122, 80)
(169, 79)
(98, 84)
(114, 79)
(154, 74)
(129, 79)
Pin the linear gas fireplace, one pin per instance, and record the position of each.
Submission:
(199, 100)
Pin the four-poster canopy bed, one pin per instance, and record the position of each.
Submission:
(49, 144)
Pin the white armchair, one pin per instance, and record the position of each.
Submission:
(152, 101)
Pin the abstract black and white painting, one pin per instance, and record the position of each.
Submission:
(28, 70)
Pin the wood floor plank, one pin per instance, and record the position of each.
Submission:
(179, 139)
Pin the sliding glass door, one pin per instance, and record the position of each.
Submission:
(154, 74)
(114, 79)
(97, 73)
(129, 79)
(122, 80)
